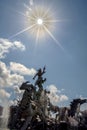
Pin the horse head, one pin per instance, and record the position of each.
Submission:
(26, 86)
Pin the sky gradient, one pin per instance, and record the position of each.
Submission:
(66, 69)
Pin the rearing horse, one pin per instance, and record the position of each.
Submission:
(26, 102)
(29, 94)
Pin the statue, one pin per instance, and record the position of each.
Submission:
(24, 108)
(75, 104)
(29, 94)
(30, 106)
(40, 79)
(36, 112)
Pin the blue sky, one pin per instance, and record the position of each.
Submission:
(66, 69)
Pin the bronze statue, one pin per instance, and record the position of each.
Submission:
(40, 79)
(29, 94)
(35, 110)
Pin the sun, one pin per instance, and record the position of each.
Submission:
(40, 21)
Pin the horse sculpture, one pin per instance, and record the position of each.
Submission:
(24, 108)
(28, 103)
(29, 94)
(75, 106)
(31, 105)
(36, 112)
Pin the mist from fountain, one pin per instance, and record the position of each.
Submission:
(5, 116)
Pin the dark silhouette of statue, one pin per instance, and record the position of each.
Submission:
(40, 79)
(35, 110)
(75, 104)
(29, 94)
(23, 108)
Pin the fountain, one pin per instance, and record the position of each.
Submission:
(36, 112)
(5, 116)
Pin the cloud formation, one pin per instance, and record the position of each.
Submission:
(7, 78)
(16, 89)
(4, 97)
(31, 2)
(55, 95)
(6, 45)
(4, 94)
(13, 74)
(21, 69)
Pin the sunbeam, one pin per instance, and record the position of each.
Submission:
(22, 31)
(51, 35)
(37, 36)
(55, 20)
(25, 15)
(39, 16)
(40, 21)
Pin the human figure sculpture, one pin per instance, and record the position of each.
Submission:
(29, 104)
(40, 79)
(35, 110)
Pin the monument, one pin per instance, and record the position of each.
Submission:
(34, 110)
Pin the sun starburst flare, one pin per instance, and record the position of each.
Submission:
(39, 17)
(40, 23)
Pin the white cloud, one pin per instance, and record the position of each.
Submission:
(17, 90)
(18, 45)
(55, 95)
(7, 78)
(21, 69)
(29, 7)
(13, 74)
(63, 98)
(31, 2)
(53, 89)
(4, 94)
(16, 79)
(6, 45)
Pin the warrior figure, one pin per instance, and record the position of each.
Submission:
(40, 79)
